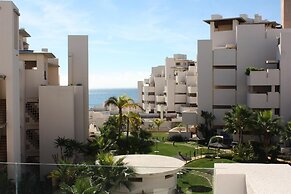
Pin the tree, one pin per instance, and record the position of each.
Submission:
(121, 102)
(82, 185)
(267, 126)
(206, 127)
(238, 120)
(112, 173)
(158, 123)
(133, 121)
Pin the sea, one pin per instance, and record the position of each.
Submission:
(97, 97)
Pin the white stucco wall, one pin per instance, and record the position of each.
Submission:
(205, 78)
(285, 79)
(9, 66)
(56, 118)
(78, 73)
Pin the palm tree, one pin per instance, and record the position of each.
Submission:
(207, 126)
(121, 102)
(267, 126)
(158, 123)
(83, 185)
(238, 120)
(132, 120)
(112, 173)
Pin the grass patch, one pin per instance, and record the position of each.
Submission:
(167, 149)
(207, 162)
(160, 135)
(194, 182)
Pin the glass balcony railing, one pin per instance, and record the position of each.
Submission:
(28, 178)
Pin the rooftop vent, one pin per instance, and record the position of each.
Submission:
(216, 16)
(44, 50)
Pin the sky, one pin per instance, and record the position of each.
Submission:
(128, 37)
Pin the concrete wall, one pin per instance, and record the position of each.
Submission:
(285, 13)
(9, 66)
(56, 118)
(205, 78)
(78, 74)
(53, 76)
(285, 79)
(155, 183)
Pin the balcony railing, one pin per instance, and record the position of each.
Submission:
(22, 178)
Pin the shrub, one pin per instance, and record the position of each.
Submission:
(245, 153)
(249, 69)
(228, 156)
(177, 138)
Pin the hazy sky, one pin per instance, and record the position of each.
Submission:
(128, 37)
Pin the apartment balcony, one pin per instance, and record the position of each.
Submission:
(192, 90)
(148, 89)
(266, 100)
(160, 99)
(180, 98)
(181, 88)
(180, 79)
(224, 77)
(178, 108)
(188, 109)
(191, 100)
(224, 57)
(264, 78)
(224, 97)
(191, 80)
(149, 98)
(146, 81)
(191, 71)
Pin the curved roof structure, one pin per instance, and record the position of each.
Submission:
(145, 164)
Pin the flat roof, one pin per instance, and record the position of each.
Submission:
(24, 33)
(260, 178)
(47, 54)
(240, 19)
(146, 164)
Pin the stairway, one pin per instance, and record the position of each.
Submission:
(32, 137)
(32, 110)
(3, 149)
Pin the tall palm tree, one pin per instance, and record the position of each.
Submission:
(207, 126)
(133, 120)
(238, 120)
(121, 102)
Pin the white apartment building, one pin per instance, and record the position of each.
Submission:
(34, 108)
(236, 44)
(171, 88)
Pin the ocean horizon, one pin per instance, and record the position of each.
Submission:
(97, 97)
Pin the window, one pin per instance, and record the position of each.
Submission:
(169, 176)
(135, 179)
(30, 65)
(44, 75)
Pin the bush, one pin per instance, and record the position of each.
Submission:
(228, 156)
(249, 69)
(177, 138)
(244, 153)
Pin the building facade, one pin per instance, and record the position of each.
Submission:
(244, 62)
(171, 88)
(34, 108)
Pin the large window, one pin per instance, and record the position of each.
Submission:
(30, 65)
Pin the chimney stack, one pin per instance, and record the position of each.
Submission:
(286, 13)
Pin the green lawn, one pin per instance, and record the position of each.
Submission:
(160, 135)
(199, 181)
(167, 149)
(207, 162)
